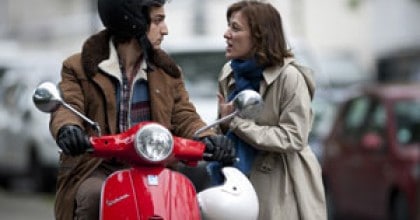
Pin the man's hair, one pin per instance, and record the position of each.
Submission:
(146, 8)
(266, 29)
(128, 19)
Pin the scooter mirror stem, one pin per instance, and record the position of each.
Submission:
(221, 120)
(93, 124)
(47, 98)
(248, 105)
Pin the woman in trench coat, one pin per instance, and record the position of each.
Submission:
(273, 148)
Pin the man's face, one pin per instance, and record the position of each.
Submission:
(158, 27)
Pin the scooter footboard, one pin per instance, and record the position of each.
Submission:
(149, 193)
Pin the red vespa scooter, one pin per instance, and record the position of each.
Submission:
(148, 190)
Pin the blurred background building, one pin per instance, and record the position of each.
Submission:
(346, 42)
(360, 30)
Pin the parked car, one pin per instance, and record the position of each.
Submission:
(372, 155)
(324, 110)
(402, 65)
(27, 149)
(201, 59)
(8, 53)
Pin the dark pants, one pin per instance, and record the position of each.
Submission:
(88, 195)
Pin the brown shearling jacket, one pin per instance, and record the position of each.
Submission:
(92, 92)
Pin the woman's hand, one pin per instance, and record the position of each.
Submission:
(224, 108)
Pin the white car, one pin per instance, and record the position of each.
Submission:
(27, 149)
(201, 59)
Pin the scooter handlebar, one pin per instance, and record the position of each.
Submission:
(209, 157)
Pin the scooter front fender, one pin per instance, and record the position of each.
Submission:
(148, 193)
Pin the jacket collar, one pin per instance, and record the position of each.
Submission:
(97, 49)
(94, 50)
(111, 65)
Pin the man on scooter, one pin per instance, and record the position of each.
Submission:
(121, 77)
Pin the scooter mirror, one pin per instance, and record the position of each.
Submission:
(47, 98)
(248, 103)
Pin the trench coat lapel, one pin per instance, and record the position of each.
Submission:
(271, 73)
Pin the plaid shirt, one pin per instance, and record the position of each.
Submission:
(134, 105)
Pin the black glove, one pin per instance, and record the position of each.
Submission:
(72, 140)
(219, 148)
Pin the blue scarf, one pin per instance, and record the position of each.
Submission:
(247, 75)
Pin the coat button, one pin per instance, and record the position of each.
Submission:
(266, 168)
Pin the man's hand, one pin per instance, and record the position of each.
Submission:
(72, 140)
(220, 148)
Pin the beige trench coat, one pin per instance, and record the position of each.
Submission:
(286, 174)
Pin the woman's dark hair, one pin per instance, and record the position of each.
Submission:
(266, 31)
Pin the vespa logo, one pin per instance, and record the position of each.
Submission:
(116, 200)
(152, 180)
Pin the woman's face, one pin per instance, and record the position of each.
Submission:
(238, 37)
(158, 28)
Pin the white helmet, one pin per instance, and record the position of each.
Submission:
(235, 199)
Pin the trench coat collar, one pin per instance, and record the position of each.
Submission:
(227, 71)
(269, 74)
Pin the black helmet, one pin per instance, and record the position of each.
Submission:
(128, 18)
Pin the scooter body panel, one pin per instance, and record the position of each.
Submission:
(149, 194)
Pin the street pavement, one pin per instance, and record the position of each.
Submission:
(26, 205)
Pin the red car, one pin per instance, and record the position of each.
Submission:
(372, 155)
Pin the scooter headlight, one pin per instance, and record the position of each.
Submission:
(154, 142)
